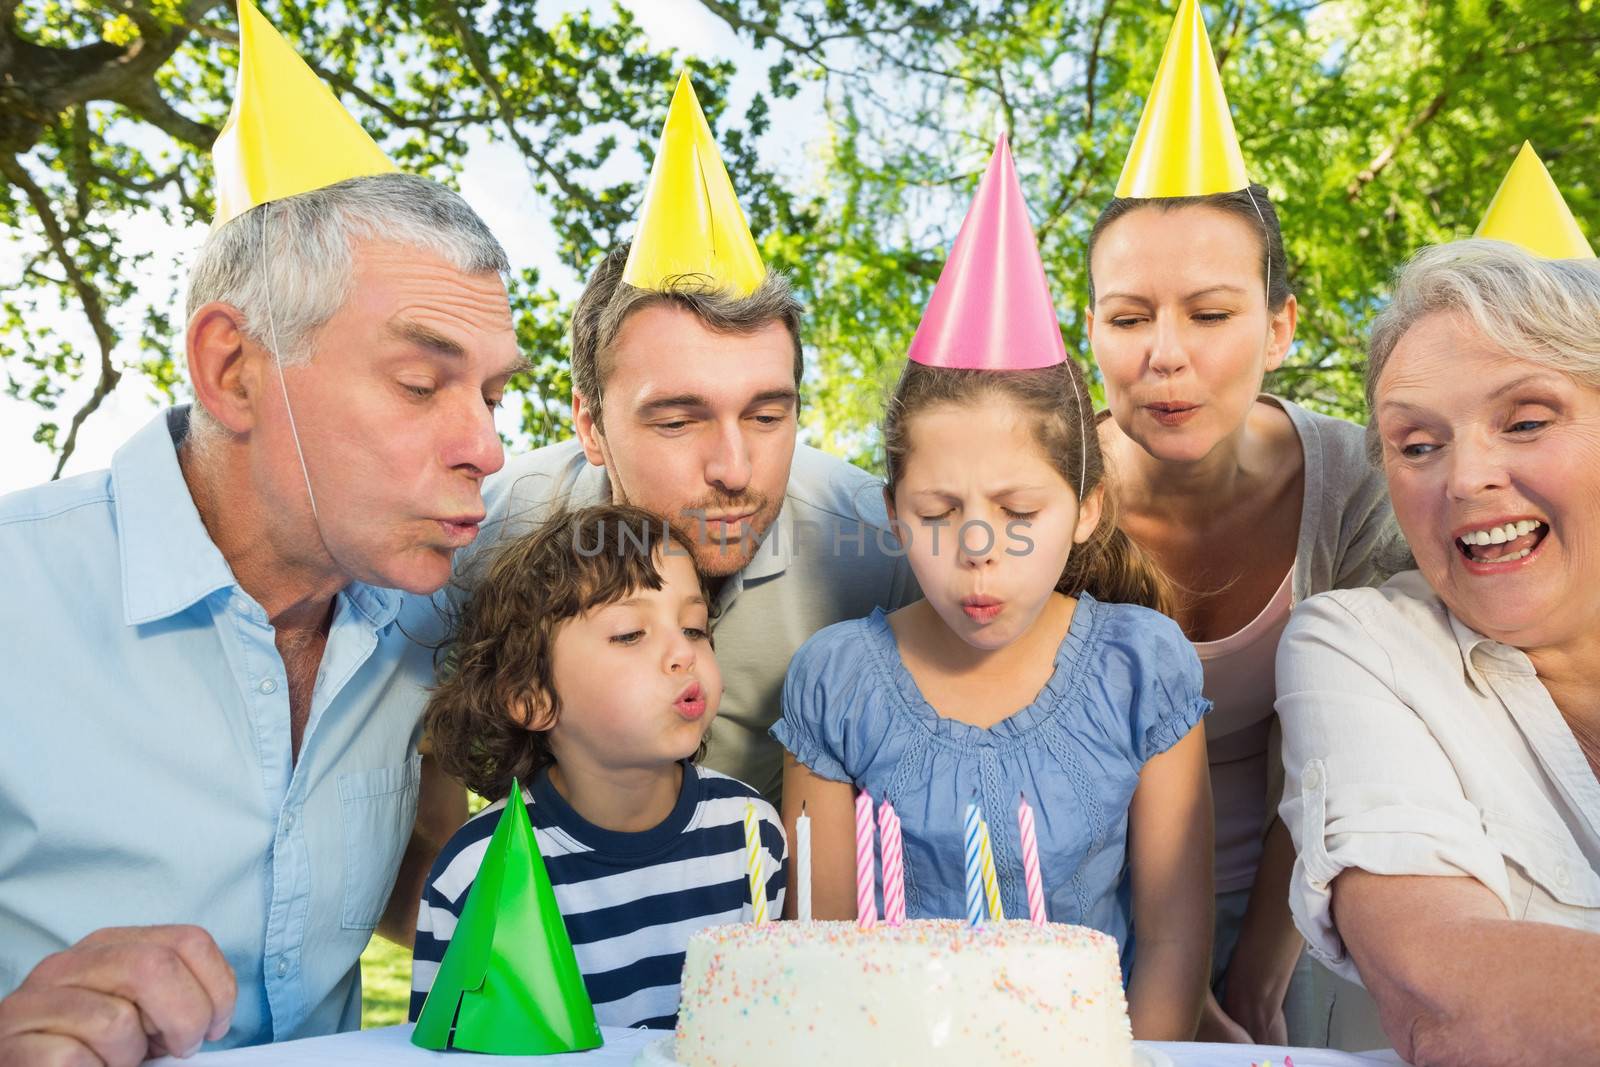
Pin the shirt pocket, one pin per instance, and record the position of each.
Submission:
(380, 809)
(1551, 864)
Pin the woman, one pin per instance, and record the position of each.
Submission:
(1442, 733)
(1250, 503)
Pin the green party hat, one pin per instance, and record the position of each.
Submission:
(509, 982)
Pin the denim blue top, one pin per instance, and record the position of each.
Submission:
(1126, 687)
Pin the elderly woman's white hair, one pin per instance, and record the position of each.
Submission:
(287, 265)
(1546, 311)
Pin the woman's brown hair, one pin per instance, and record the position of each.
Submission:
(1108, 566)
(500, 673)
(1251, 205)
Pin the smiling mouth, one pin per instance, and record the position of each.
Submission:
(1508, 542)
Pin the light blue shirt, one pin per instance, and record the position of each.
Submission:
(146, 774)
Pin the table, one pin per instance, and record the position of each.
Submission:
(392, 1045)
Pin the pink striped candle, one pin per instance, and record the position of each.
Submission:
(894, 875)
(866, 904)
(1030, 862)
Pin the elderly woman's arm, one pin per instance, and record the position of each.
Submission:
(1458, 982)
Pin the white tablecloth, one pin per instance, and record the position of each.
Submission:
(392, 1045)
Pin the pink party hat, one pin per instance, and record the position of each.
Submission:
(991, 309)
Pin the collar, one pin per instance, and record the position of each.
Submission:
(169, 561)
(1480, 654)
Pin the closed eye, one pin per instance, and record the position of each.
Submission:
(1021, 516)
(629, 638)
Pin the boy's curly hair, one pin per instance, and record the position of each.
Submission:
(505, 636)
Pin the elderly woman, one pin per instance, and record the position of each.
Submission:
(1442, 733)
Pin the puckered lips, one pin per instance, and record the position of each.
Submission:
(459, 530)
(982, 609)
(1171, 412)
(1501, 545)
(691, 703)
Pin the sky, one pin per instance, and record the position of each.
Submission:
(493, 181)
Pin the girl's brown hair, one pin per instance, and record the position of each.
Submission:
(1108, 566)
(500, 673)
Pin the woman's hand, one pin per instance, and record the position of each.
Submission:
(1268, 948)
(1215, 1025)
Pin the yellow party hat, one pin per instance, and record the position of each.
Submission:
(287, 133)
(691, 223)
(1185, 145)
(1528, 210)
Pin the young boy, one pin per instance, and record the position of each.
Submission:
(584, 668)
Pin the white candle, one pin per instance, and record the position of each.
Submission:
(802, 864)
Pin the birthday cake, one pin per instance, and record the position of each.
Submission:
(928, 992)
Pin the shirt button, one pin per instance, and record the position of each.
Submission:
(1562, 877)
(1313, 778)
(268, 686)
(288, 820)
(283, 966)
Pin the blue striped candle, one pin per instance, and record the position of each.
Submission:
(974, 856)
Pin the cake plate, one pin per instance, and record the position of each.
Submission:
(662, 1054)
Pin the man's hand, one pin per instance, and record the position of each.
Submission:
(117, 997)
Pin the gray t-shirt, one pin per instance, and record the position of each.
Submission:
(829, 556)
(1348, 534)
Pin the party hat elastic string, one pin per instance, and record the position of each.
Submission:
(277, 361)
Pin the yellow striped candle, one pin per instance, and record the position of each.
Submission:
(991, 884)
(753, 864)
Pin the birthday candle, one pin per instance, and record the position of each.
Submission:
(974, 867)
(866, 904)
(1030, 862)
(753, 864)
(894, 878)
(802, 864)
(991, 884)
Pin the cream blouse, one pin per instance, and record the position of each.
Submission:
(1414, 745)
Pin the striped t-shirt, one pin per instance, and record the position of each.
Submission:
(630, 900)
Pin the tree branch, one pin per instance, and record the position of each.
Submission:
(472, 44)
(88, 296)
(1382, 160)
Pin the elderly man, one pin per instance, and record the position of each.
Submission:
(686, 368)
(211, 711)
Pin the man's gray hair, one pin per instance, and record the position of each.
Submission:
(295, 257)
(1546, 311)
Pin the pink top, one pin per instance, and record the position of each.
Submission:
(1240, 683)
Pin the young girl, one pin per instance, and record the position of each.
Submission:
(585, 670)
(1027, 670)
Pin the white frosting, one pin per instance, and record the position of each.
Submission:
(929, 992)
